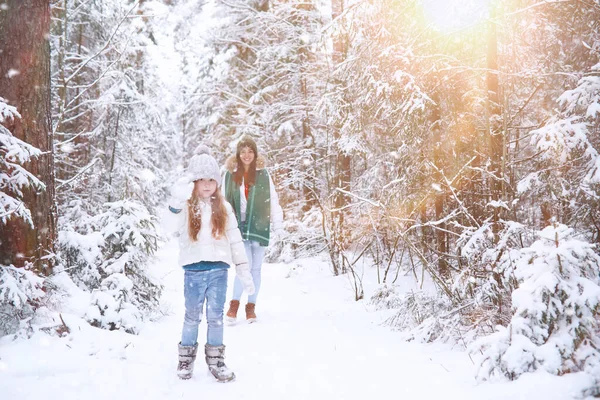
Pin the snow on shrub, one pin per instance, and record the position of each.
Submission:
(555, 311)
(20, 290)
(80, 246)
(386, 297)
(487, 277)
(425, 317)
(304, 237)
(131, 238)
(112, 305)
(106, 254)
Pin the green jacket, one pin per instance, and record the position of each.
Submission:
(258, 210)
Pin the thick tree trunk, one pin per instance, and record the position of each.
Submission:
(440, 197)
(495, 129)
(305, 59)
(342, 160)
(342, 175)
(25, 83)
(343, 172)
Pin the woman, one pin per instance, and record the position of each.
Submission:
(250, 190)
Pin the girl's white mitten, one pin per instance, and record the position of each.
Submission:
(181, 191)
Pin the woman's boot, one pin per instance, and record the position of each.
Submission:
(215, 359)
(232, 312)
(250, 314)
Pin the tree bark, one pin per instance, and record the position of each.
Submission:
(25, 83)
(495, 129)
(343, 172)
(438, 160)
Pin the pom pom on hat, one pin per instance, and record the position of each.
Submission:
(202, 149)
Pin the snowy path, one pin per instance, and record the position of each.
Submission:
(312, 342)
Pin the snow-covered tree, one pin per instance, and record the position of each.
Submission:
(556, 306)
(116, 146)
(20, 288)
(568, 148)
(107, 254)
(14, 154)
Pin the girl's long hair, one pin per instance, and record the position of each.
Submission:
(218, 219)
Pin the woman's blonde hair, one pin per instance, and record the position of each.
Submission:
(218, 219)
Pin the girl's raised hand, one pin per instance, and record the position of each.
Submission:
(182, 191)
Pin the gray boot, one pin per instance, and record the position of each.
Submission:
(187, 356)
(215, 358)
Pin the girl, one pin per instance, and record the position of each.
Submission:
(209, 241)
(249, 189)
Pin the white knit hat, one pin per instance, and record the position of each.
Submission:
(203, 166)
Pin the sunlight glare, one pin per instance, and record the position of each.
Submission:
(451, 15)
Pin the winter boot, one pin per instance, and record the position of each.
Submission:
(215, 358)
(250, 314)
(232, 312)
(187, 356)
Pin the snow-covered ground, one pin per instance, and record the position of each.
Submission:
(312, 341)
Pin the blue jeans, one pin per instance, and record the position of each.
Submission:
(256, 255)
(199, 285)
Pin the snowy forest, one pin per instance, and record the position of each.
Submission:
(452, 144)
